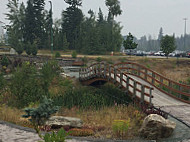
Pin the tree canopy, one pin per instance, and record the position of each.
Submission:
(168, 44)
(129, 43)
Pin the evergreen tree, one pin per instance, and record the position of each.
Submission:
(168, 44)
(160, 36)
(15, 30)
(100, 16)
(65, 43)
(71, 22)
(129, 43)
(114, 8)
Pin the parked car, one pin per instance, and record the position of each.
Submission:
(159, 53)
(173, 54)
(188, 54)
(140, 53)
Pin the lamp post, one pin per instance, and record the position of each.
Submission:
(185, 19)
(51, 27)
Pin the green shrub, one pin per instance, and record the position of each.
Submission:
(2, 83)
(39, 115)
(74, 54)
(28, 48)
(49, 71)
(34, 49)
(120, 128)
(60, 136)
(25, 86)
(85, 59)
(5, 61)
(95, 98)
(57, 55)
(98, 59)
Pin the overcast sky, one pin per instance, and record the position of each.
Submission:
(140, 17)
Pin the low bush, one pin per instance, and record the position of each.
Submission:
(95, 98)
(60, 136)
(98, 59)
(57, 55)
(74, 54)
(120, 128)
(5, 61)
(25, 87)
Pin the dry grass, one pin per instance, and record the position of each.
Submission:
(13, 115)
(101, 120)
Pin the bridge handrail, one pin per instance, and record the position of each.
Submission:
(172, 88)
(111, 73)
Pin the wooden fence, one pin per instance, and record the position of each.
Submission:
(172, 88)
(98, 71)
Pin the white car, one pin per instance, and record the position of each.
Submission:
(159, 53)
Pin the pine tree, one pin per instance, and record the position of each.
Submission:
(71, 19)
(129, 43)
(15, 30)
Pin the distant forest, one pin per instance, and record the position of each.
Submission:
(150, 44)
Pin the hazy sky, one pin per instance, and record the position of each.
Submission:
(140, 17)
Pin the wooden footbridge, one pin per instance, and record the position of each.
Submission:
(144, 85)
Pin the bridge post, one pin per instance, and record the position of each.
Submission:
(150, 97)
(121, 79)
(105, 66)
(180, 91)
(161, 80)
(153, 78)
(146, 72)
(88, 73)
(170, 85)
(96, 69)
(139, 69)
(79, 73)
(127, 84)
(109, 72)
(134, 89)
(142, 93)
(115, 75)
(100, 70)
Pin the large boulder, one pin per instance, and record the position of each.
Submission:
(64, 121)
(156, 127)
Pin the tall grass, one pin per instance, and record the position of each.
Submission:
(94, 98)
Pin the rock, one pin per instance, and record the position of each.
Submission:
(13, 51)
(156, 127)
(64, 121)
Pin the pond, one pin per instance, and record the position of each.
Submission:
(72, 71)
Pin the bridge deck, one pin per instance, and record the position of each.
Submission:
(170, 105)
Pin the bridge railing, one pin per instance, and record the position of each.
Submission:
(138, 91)
(172, 88)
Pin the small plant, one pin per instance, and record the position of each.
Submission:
(38, 116)
(60, 136)
(85, 59)
(28, 48)
(74, 54)
(5, 61)
(99, 59)
(120, 127)
(57, 55)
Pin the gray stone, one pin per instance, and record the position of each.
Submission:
(64, 121)
(156, 127)
(13, 51)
